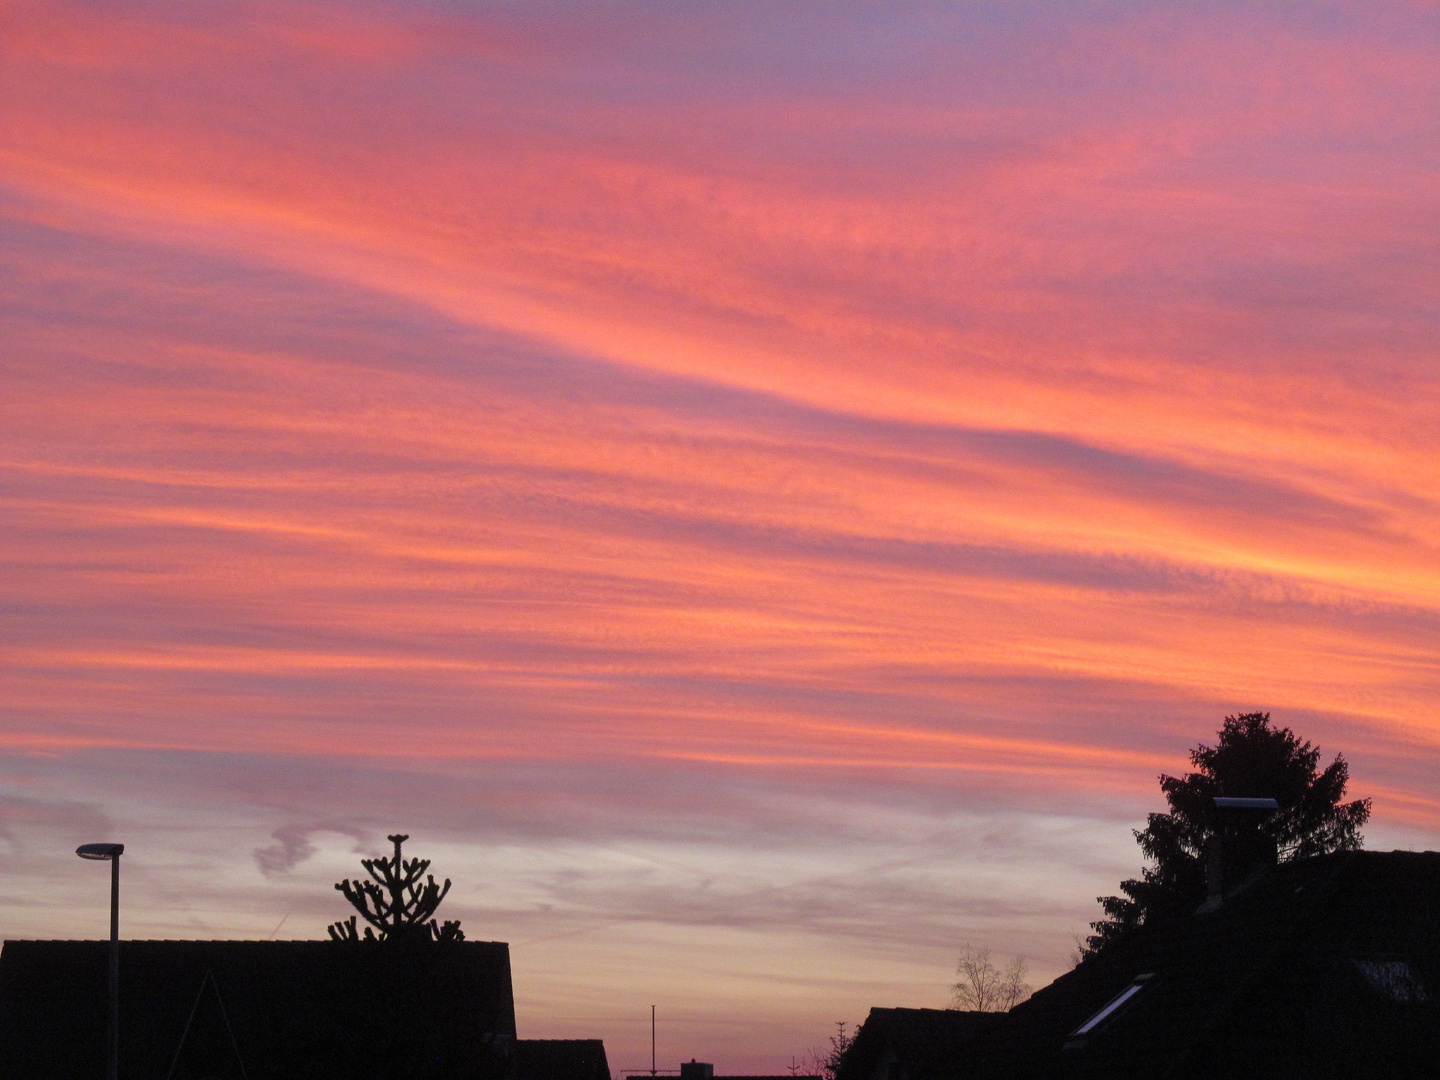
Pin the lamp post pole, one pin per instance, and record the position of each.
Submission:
(111, 853)
(112, 1033)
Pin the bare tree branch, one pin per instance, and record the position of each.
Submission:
(982, 987)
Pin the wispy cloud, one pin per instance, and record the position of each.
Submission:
(761, 484)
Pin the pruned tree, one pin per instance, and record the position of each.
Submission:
(395, 902)
(1252, 759)
(983, 987)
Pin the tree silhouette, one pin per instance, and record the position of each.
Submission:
(395, 902)
(983, 987)
(1252, 759)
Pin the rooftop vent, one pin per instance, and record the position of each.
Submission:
(1222, 803)
(1239, 851)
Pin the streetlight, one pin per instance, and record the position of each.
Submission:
(112, 852)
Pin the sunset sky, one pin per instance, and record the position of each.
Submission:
(757, 491)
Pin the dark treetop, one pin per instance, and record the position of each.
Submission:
(1252, 758)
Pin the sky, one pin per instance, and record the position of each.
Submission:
(757, 491)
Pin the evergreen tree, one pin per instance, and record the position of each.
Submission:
(395, 902)
(1252, 759)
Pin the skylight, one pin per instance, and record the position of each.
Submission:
(1395, 978)
(1114, 1005)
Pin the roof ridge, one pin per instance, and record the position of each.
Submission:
(1310, 903)
(218, 941)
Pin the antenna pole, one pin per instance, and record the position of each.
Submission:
(652, 1040)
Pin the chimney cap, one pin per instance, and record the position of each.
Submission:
(1245, 804)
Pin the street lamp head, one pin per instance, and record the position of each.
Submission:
(100, 851)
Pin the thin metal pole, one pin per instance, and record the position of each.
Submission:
(112, 1040)
(652, 1041)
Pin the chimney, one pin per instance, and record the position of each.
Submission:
(696, 1070)
(1238, 852)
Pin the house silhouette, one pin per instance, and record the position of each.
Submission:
(1326, 967)
(276, 1010)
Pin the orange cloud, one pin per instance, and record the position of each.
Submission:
(909, 410)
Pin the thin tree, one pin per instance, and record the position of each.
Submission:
(1252, 759)
(395, 902)
(825, 1062)
(983, 987)
(840, 1043)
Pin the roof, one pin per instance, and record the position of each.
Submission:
(281, 1009)
(911, 1044)
(1288, 979)
(561, 1059)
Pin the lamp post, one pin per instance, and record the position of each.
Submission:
(111, 852)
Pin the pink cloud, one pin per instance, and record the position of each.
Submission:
(953, 409)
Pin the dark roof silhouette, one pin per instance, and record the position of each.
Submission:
(207, 1046)
(1325, 967)
(259, 1010)
(561, 1059)
(911, 1044)
(727, 1076)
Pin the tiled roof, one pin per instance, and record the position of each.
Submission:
(911, 1044)
(1274, 984)
(293, 1009)
(561, 1059)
